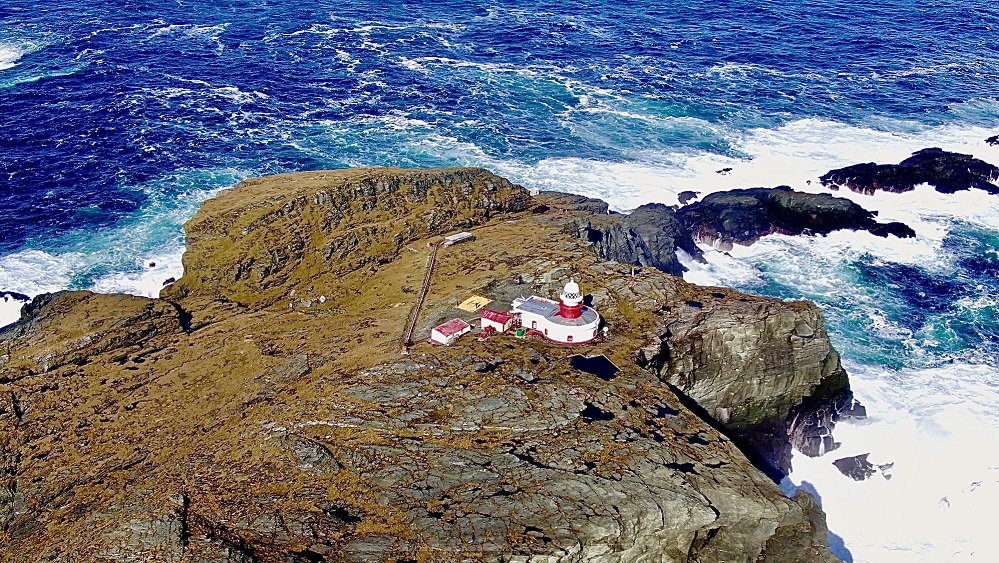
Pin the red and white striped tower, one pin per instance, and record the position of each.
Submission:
(570, 305)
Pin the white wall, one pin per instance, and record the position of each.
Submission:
(558, 332)
(438, 337)
(499, 327)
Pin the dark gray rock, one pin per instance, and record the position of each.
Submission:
(648, 236)
(948, 172)
(7, 295)
(743, 216)
(686, 197)
(856, 467)
(765, 371)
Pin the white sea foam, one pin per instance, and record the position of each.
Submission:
(413, 65)
(10, 311)
(202, 32)
(147, 282)
(120, 259)
(34, 271)
(937, 426)
(795, 154)
(10, 54)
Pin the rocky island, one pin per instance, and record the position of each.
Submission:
(260, 409)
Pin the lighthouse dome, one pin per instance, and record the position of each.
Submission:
(571, 291)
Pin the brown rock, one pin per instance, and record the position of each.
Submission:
(224, 425)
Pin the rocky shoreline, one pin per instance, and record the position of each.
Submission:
(259, 410)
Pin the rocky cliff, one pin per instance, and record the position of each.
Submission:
(261, 411)
(297, 230)
(764, 369)
(652, 234)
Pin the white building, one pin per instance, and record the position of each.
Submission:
(566, 321)
(500, 322)
(449, 332)
(458, 237)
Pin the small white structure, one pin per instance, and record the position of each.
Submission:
(458, 237)
(500, 322)
(566, 321)
(449, 332)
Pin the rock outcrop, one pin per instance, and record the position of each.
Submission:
(261, 410)
(6, 295)
(247, 253)
(764, 370)
(743, 216)
(686, 197)
(648, 236)
(947, 172)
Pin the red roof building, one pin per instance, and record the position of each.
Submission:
(450, 331)
(500, 322)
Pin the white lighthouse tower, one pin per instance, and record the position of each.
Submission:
(566, 321)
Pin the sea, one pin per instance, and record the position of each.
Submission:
(119, 118)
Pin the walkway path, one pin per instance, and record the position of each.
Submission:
(407, 337)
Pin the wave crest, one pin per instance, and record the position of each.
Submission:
(10, 54)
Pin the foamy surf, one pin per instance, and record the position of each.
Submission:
(936, 429)
(155, 272)
(931, 421)
(30, 273)
(10, 54)
(34, 272)
(10, 310)
(136, 257)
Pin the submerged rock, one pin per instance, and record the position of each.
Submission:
(859, 468)
(856, 467)
(947, 172)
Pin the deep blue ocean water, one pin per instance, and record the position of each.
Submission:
(120, 118)
(109, 109)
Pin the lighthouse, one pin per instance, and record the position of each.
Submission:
(566, 321)
(570, 305)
